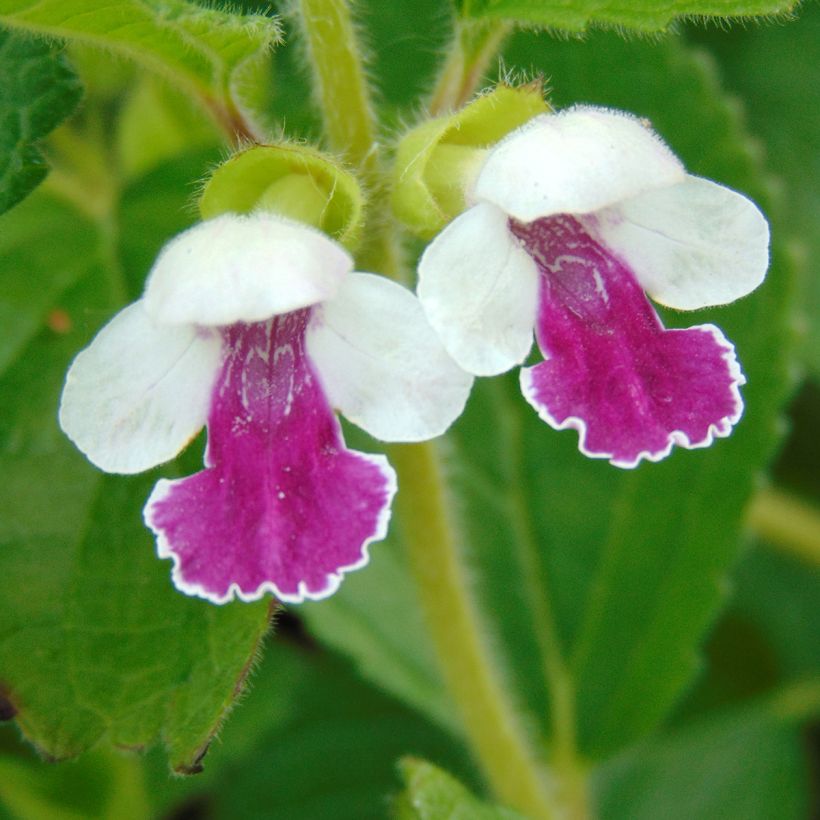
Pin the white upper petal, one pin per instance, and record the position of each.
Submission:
(479, 289)
(382, 365)
(690, 245)
(243, 269)
(139, 392)
(575, 162)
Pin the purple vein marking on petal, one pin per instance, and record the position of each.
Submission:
(612, 371)
(283, 506)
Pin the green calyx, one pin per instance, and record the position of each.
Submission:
(437, 161)
(292, 180)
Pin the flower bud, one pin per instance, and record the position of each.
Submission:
(295, 181)
(437, 161)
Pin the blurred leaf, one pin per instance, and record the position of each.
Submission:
(776, 70)
(433, 794)
(104, 785)
(219, 57)
(155, 125)
(781, 597)
(391, 648)
(747, 763)
(767, 636)
(95, 644)
(643, 15)
(39, 91)
(313, 741)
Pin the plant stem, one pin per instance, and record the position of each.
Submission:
(570, 771)
(343, 92)
(787, 523)
(491, 724)
(339, 79)
(474, 46)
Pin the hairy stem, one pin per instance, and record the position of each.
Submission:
(350, 127)
(491, 724)
(474, 47)
(492, 727)
(339, 78)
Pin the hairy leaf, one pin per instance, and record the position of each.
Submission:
(39, 91)
(643, 15)
(218, 57)
(95, 643)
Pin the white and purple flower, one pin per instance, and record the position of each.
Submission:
(575, 215)
(255, 326)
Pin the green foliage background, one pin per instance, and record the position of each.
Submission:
(688, 639)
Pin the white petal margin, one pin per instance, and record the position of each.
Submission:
(720, 429)
(243, 269)
(139, 392)
(574, 162)
(479, 289)
(690, 245)
(333, 580)
(381, 364)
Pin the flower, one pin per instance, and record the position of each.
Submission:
(255, 325)
(575, 214)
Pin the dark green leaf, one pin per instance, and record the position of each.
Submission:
(95, 644)
(313, 742)
(745, 764)
(776, 70)
(39, 91)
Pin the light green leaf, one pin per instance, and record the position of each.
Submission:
(743, 763)
(643, 15)
(39, 91)
(155, 125)
(220, 58)
(95, 644)
(776, 70)
(433, 794)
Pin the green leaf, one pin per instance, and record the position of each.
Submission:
(776, 70)
(767, 636)
(39, 91)
(95, 644)
(313, 741)
(591, 580)
(222, 59)
(375, 618)
(634, 563)
(155, 125)
(104, 785)
(643, 15)
(433, 794)
(746, 763)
